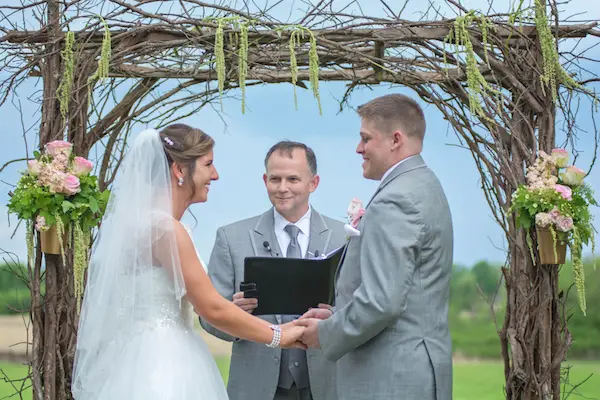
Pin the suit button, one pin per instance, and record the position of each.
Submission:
(276, 360)
(296, 364)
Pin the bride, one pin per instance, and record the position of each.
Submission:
(136, 338)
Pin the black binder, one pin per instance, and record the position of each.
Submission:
(290, 286)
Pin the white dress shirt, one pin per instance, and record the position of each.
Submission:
(284, 239)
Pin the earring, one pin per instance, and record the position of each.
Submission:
(180, 181)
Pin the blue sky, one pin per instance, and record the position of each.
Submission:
(243, 140)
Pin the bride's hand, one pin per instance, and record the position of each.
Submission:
(291, 336)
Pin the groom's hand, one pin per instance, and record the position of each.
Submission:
(310, 337)
(322, 312)
(245, 304)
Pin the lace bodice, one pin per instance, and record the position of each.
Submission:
(161, 306)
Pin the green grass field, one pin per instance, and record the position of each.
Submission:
(472, 381)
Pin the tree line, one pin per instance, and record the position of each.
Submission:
(477, 299)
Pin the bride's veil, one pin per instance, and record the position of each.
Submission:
(136, 236)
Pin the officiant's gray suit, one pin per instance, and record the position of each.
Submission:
(389, 332)
(255, 368)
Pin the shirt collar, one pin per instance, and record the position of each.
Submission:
(389, 171)
(303, 223)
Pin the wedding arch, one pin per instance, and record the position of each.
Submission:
(498, 77)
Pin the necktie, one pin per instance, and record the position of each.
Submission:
(293, 367)
(293, 250)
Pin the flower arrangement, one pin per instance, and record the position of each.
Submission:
(354, 213)
(59, 194)
(556, 200)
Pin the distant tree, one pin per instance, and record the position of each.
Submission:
(487, 277)
(463, 289)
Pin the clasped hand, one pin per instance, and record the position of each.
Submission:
(303, 332)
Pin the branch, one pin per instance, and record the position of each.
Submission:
(6, 164)
(120, 110)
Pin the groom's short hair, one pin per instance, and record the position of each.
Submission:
(286, 147)
(395, 111)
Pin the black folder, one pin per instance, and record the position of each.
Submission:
(290, 286)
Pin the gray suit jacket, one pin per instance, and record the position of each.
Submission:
(389, 333)
(254, 369)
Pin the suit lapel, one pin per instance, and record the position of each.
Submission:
(264, 232)
(404, 167)
(320, 234)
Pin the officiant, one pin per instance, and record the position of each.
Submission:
(291, 228)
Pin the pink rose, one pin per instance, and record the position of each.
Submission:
(561, 157)
(354, 207)
(71, 185)
(355, 219)
(565, 191)
(554, 214)
(33, 167)
(59, 146)
(573, 176)
(81, 166)
(564, 224)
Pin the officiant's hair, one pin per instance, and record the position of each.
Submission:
(286, 147)
(395, 111)
(183, 145)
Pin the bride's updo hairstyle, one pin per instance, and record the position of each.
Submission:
(183, 146)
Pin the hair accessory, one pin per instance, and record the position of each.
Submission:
(168, 141)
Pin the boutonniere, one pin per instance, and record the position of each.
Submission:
(355, 212)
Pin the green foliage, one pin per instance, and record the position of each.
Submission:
(220, 58)
(64, 89)
(477, 86)
(554, 72)
(294, 64)
(297, 34)
(559, 202)
(243, 61)
(527, 203)
(82, 243)
(14, 293)
(14, 301)
(472, 326)
(585, 329)
(473, 294)
(313, 66)
(104, 60)
(50, 193)
(85, 208)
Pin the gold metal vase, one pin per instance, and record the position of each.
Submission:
(49, 241)
(546, 247)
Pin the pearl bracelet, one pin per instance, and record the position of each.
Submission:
(276, 336)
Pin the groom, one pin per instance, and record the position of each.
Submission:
(292, 228)
(389, 329)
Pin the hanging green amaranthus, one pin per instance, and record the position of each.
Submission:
(66, 84)
(477, 85)
(220, 59)
(243, 61)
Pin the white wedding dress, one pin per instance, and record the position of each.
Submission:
(136, 337)
(161, 357)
